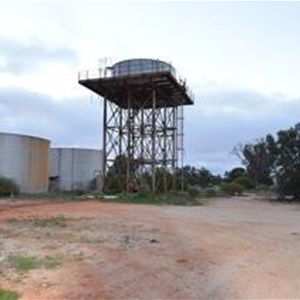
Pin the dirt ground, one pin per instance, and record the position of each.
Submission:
(230, 248)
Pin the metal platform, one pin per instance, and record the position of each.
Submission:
(169, 91)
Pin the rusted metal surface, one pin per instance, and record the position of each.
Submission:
(138, 74)
(142, 120)
(26, 160)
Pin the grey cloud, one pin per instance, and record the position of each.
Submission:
(68, 122)
(212, 130)
(20, 57)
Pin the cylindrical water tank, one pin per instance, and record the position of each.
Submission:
(25, 159)
(74, 168)
(141, 66)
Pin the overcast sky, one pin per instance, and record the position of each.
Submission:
(241, 59)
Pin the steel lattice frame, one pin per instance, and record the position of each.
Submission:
(150, 137)
(142, 123)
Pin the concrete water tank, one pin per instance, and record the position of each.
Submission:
(25, 159)
(74, 168)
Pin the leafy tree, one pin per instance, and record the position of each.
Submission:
(189, 175)
(257, 160)
(196, 177)
(287, 162)
(205, 177)
(235, 173)
(244, 181)
(232, 188)
(275, 158)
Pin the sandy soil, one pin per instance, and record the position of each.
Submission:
(231, 248)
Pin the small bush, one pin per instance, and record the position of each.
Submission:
(23, 264)
(233, 188)
(245, 182)
(49, 262)
(139, 198)
(210, 192)
(175, 198)
(194, 191)
(8, 187)
(78, 192)
(178, 198)
(8, 295)
(266, 188)
(55, 221)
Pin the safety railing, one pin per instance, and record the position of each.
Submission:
(134, 67)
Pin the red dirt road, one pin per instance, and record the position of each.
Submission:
(231, 248)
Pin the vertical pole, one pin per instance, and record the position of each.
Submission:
(120, 130)
(165, 147)
(142, 159)
(153, 138)
(104, 146)
(182, 147)
(175, 146)
(120, 183)
(128, 141)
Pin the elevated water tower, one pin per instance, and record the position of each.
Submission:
(143, 102)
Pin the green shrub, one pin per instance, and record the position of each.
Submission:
(8, 187)
(78, 192)
(178, 198)
(172, 197)
(23, 264)
(54, 221)
(8, 295)
(210, 192)
(139, 198)
(246, 182)
(266, 188)
(194, 191)
(233, 188)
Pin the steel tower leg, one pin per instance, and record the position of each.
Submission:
(153, 184)
(104, 162)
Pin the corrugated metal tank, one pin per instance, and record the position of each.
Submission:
(141, 66)
(25, 159)
(74, 168)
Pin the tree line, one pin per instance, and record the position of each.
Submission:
(271, 161)
(274, 160)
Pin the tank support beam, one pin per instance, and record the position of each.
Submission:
(142, 147)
